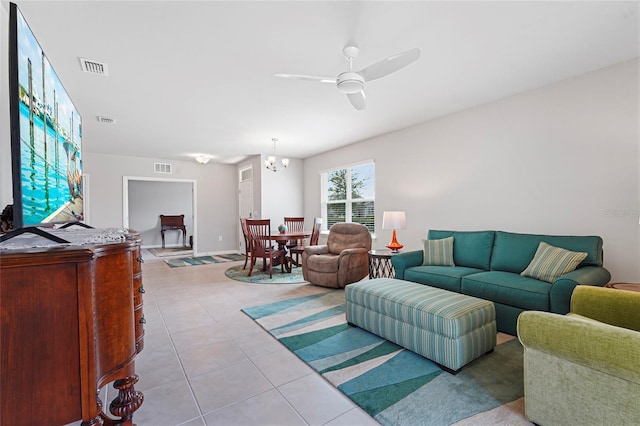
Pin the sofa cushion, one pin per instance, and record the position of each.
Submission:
(513, 252)
(445, 277)
(509, 289)
(438, 252)
(471, 248)
(550, 262)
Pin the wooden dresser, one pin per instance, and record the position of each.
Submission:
(71, 322)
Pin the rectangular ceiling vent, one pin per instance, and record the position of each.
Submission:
(94, 67)
(162, 167)
(106, 120)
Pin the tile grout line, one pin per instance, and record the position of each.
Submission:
(277, 388)
(175, 351)
(237, 299)
(312, 372)
(274, 387)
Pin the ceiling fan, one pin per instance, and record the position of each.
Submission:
(352, 82)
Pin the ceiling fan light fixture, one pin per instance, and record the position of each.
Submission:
(350, 82)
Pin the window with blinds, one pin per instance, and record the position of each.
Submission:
(348, 195)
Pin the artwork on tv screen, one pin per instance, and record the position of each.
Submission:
(46, 136)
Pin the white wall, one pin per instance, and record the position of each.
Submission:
(216, 195)
(276, 195)
(6, 189)
(563, 159)
(282, 193)
(149, 199)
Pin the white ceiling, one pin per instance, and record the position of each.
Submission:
(189, 78)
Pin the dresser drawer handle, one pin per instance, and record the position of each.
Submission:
(141, 290)
(143, 321)
(140, 259)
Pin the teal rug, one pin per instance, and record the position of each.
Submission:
(171, 251)
(191, 261)
(231, 257)
(203, 260)
(259, 277)
(394, 385)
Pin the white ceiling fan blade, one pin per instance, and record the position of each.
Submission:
(358, 100)
(389, 65)
(307, 78)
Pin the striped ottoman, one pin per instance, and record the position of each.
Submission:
(450, 329)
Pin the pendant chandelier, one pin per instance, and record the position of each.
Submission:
(271, 163)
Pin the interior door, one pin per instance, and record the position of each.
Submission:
(245, 200)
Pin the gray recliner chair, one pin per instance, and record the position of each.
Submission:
(343, 260)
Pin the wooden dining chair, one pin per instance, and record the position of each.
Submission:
(259, 231)
(313, 241)
(247, 241)
(294, 224)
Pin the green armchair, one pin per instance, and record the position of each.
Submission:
(584, 367)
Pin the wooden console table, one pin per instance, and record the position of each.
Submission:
(624, 286)
(173, 223)
(71, 323)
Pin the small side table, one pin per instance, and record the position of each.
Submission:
(380, 265)
(622, 286)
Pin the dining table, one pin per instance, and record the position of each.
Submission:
(282, 238)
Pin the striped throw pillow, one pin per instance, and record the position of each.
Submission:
(438, 252)
(550, 262)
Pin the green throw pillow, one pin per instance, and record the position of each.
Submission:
(550, 262)
(438, 252)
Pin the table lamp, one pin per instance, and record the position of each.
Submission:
(394, 220)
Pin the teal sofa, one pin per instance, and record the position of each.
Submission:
(488, 265)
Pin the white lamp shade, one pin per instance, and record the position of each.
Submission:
(394, 220)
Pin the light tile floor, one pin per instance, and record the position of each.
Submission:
(206, 363)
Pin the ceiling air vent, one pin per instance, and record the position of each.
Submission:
(94, 67)
(106, 120)
(162, 167)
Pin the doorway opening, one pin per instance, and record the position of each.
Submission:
(245, 199)
(145, 199)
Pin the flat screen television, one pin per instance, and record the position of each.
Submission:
(46, 135)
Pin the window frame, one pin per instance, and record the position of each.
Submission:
(324, 193)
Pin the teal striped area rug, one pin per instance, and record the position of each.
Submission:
(239, 273)
(233, 256)
(191, 261)
(394, 385)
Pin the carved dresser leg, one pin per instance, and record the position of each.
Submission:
(127, 401)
